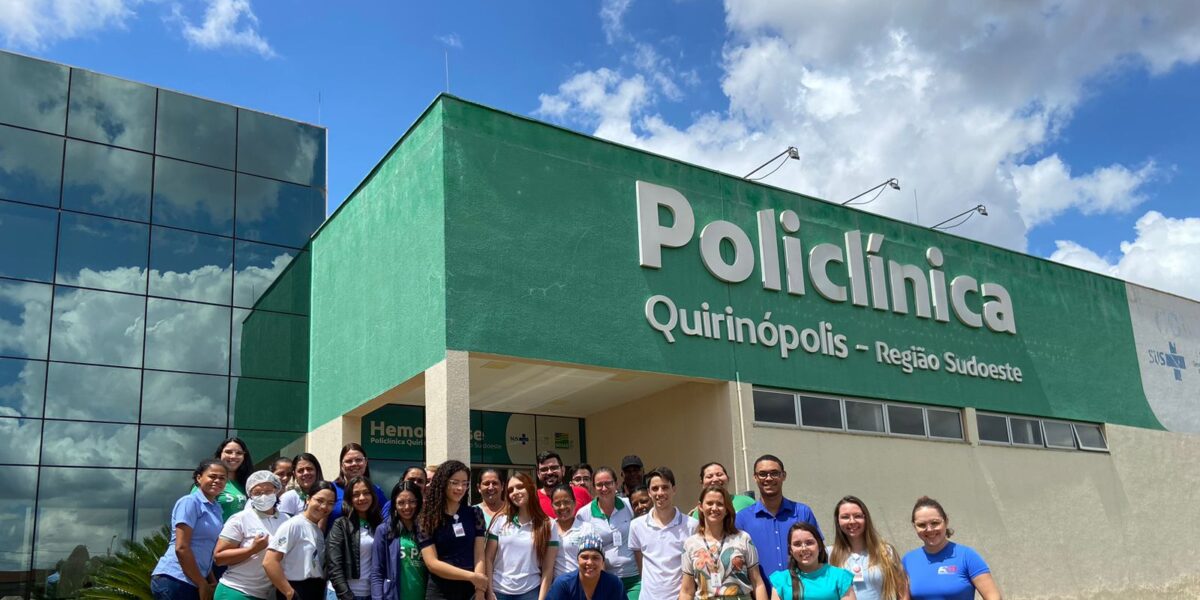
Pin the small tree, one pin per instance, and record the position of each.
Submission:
(126, 574)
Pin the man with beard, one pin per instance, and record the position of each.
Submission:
(769, 520)
(549, 476)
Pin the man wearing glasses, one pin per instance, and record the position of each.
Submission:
(550, 476)
(768, 520)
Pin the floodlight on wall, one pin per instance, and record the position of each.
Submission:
(892, 183)
(791, 153)
(970, 212)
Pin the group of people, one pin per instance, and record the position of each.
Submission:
(288, 533)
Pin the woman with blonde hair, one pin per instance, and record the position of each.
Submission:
(858, 548)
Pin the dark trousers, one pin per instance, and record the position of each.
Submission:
(164, 587)
(309, 589)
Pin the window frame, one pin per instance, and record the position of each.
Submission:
(845, 428)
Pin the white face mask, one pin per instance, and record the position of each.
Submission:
(263, 503)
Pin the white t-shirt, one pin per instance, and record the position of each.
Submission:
(303, 546)
(248, 576)
(614, 532)
(290, 503)
(516, 568)
(567, 560)
(661, 546)
(366, 543)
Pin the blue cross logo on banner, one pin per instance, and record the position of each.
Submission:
(1171, 359)
(524, 439)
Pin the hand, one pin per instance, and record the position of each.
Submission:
(289, 593)
(205, 590)
(480, 581)
(260, 542)
(490, 595)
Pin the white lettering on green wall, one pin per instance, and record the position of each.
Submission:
(868, 279)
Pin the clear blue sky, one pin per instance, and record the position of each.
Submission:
(1085, 133)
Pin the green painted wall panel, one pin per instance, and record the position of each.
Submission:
(378, 271)
(542, 262)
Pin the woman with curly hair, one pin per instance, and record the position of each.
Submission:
(450, 534)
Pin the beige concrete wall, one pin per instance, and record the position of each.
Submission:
(1052, 524)
(448, 409)
(326, 441)
(681, 427)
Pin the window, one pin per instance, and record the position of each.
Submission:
(1090, 437)
(993, 428)
(1026, 432)
(944, 423)
(1059, 435)
(906, 420)
(821, 412)
(774, 407)
(865, 416)
(1040, 433)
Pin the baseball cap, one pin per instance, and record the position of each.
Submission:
(632, 460)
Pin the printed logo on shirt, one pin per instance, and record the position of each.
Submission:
(947, 570)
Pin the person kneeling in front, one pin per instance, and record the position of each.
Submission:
(590, 582)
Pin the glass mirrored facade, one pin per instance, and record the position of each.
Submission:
(154, 294)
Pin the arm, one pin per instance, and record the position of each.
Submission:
(483, 582)
(336, 559)
(187, 560)
(548, 570)
(849, 594)
(687, 591)
(986, 586)
(229, 552)
(756, 583)
(274, 570)
(446, 570)
(489, 563)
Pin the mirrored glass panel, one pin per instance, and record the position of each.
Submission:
(193, 197)
(97, 327)
(270, 345)
(83, 444)
(19, 441)
(266, 446)
(176, 447)
(190, 266)
(86, 392)
(906, 420)
(16, 512)
(185, 336)
(267, 404)
(82, 514)
(107, 181)
(111, 111)
(27, 238)
(197, 130)
(258, 268)
(30, 166)
(820, 412)
(35, 93)
(281, 149)
(24, 318)
(102, 253)
(22, 383)
(157, 492)
(774, 407)
(864, 416)
(184, 399)
(277, 213)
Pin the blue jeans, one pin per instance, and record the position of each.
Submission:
(530, 595)
(331, 595)
(163, 587)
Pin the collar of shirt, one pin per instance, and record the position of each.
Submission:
(675, 520)
(599, 514)
(787, 508)
(203, 500)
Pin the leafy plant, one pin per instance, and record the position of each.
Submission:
(126, 574)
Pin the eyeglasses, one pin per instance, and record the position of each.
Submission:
(459, 483)
(354, 461)
(606, 484)
(769, 474)
(549, 468)
(929, 525)
(580, 479)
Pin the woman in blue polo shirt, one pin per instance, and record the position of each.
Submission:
(610, 517)
(185, 570)
(942, 569)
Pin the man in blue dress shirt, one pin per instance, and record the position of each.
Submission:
(768, 520)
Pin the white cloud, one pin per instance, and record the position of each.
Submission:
(956, 101)
(227, 24)
(611, 14)
(1162, 256)
(451, 39)
(34, 24)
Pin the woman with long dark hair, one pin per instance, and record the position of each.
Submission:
(858, 548)
(306, 470)
(236, 456)
(184, 572)
(451, 536)
(353, 463)
(349, 547)
(942, 569)
(719, 561)
(522, 544)
(808, 574)
(398, 570)
(296, 553)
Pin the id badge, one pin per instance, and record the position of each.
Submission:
(617, 538)
(459, 531)
(858, 574)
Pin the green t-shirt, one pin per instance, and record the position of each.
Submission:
(412, 567)
(739, 502)
(232, 499)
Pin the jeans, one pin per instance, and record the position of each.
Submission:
(163, 587)
(331, 595)
(530, 595)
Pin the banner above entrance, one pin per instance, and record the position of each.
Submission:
(397, 432)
